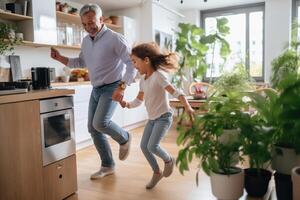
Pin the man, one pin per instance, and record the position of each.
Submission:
(104, 53)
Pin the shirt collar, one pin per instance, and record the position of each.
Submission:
(100, 33)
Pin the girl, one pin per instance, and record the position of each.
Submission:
(151, 64)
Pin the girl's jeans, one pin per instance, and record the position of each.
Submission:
(154, 131)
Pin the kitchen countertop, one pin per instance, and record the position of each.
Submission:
(74, 83)
(35, 94)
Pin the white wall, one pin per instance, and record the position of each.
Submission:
(134, 13)
(164, 20)
(192, 16)
(40, 57)
(278, 15)
(146, 28)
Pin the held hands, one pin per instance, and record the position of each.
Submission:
(118, 95)
(124, 104)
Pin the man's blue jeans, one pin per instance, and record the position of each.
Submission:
(101, 109)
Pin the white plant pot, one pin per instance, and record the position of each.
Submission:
(227, 187)
(296, 182)
(286, 162)
(229, 136)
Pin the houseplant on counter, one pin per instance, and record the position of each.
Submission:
(204, 141)
(7, 43)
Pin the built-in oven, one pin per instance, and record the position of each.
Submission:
(57, 128)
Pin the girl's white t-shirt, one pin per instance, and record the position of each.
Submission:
(155, 95)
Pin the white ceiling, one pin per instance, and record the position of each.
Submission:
(210, 4)
(187, 4)
(112, 4)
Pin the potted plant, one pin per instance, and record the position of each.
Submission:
(203, 140)
(192, 45)
(256, 140)
(7, 43)
(287, 139)
(7, 38)
(286, 79)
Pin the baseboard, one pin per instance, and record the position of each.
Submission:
(84, 144)
(135, 125)
(88, 142)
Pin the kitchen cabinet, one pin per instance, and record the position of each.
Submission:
(22, 174)
(21, 168)
(59, 178)
(126, 118)
(13, 17)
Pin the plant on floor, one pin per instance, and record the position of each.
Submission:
(286, 78)
(204, 141)
(7, 38)
(288, 117)
(203, 138)
(256, 141)
(192, 45)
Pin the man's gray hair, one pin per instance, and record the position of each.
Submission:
(91, 7)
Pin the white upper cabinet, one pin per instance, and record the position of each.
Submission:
(44, 22)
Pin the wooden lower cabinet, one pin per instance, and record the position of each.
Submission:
(21, 166)
(60, 179)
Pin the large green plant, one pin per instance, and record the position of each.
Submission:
(202, 140)
(289, 116)
(286, 78)
(192, 44)
(7, 42)
(256, 141)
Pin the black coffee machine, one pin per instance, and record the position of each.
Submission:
(40, 77)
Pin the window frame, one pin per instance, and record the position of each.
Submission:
(238, 10)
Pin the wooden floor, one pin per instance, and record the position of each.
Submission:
(131, 176)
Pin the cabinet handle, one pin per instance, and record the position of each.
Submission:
(60, 176)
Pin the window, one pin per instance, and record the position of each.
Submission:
(296, 15)
(246, 39)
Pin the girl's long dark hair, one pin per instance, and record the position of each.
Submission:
(167, 62)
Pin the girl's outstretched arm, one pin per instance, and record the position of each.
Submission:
(178, 94)
(135, 103)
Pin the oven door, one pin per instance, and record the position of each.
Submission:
(58, 137)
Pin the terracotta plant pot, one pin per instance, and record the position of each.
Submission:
(257, 183)
(284, 159)
(228, 186)
(296, 182)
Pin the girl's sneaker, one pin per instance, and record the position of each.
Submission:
(169, 166)
(155, 178)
